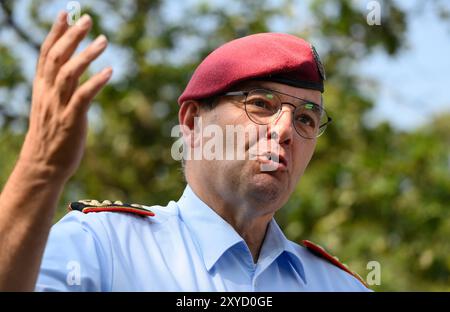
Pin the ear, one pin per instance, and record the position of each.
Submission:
(189, 111)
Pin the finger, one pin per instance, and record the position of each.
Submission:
(79, 102)
(58, 29)
(63, 49)
(74, 68)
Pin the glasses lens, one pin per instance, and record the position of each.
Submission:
(310, 120)
(262, 106)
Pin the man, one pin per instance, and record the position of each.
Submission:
(220, 235)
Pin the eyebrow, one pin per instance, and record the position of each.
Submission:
(263, 85)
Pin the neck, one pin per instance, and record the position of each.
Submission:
(247, 222)
(251, 229)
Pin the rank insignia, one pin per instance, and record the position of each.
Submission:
(92, 205)
(322, 253)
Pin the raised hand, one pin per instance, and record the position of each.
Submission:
(58, 119)
(52, 150)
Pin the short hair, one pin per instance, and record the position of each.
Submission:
(209, 103)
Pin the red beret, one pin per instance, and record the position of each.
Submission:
(266, 56)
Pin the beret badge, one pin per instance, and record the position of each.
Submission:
(318, 63)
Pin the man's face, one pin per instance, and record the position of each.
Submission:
(243, 181)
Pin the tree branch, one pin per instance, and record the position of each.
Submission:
(11, 23)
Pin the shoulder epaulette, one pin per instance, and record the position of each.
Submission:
(92, 205)
(322, 253)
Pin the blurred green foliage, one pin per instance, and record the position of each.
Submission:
(368, 194)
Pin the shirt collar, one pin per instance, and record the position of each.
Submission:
(276, 244)
(212, 233)
(215, 236)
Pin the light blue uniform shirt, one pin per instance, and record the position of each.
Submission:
(186, 246)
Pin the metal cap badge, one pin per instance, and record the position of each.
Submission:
(318, 63)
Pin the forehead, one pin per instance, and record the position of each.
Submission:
(305, 94)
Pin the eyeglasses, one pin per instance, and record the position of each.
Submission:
(263, 106)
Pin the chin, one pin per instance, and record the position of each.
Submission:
(264, 187)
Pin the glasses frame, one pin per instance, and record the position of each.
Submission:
(322, 127)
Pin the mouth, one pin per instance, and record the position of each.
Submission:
(272, 162)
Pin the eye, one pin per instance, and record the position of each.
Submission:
(308, 115)
(306, 120)
(261, 104)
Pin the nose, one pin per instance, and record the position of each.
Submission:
(283, 126)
